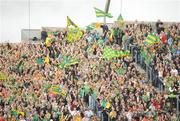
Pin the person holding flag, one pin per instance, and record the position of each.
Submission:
(74, 32)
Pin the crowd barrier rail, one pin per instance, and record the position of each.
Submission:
(153, 78)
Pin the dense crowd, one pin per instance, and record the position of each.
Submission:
(162, 57)
(41, 85)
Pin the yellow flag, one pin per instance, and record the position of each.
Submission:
(3, 76)
(111, 37)
(22, 113)
(74, 32)
(108, 105)
(48, 42)
(46, 60)
(98, 25)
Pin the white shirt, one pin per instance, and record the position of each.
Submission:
(174, 72)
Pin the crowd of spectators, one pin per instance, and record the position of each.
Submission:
(122, 91)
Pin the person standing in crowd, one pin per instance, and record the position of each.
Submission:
(58, 80)
(159, 27)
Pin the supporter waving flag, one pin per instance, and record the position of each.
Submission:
(74, 32)
(20, 67)
(67, 61)
(109, 53)
(151, 39)
(3, 76)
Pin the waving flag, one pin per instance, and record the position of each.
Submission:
(3, 76)
(109, 53)
(67, 62)
(20, 67)
(120, 20)
(151, 39)
(123, 53)
(100, 13)
(55, 89)
(90, 27)
(70, 22)
(74, 32)
(16, 113)
(98, 25)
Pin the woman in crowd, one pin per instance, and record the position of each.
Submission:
(59, 81)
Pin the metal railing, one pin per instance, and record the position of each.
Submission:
(153, 78)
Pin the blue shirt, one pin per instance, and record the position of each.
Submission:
(170, 41)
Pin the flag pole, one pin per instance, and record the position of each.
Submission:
(29, 10)
(121, 8)
(105, 20)
(107, 9)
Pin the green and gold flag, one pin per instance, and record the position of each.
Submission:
(90, 27)
(70, 22)
(74, 32)
(3, 76)
(55, 89)
(100, 13)
(120, 20)
(151, 39)
(20, 67)
(67, 61)
(109, 53)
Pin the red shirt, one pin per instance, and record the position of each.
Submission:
(2, 119)
(164, 39)
(144, 119)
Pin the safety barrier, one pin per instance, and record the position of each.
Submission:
(151, 74)
(153, 78)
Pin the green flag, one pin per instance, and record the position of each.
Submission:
(68, 62)
(151, 39)
(109, 53)
(56, 89)
(20, 67)
(100, 13)
(71, 62)
(103, 103)
(40, 61)
(90, 27)
(121, 71)
(70, 22)
(120, 20)
(3, 76)
(74, 32)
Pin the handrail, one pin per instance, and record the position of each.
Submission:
(152, 78)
